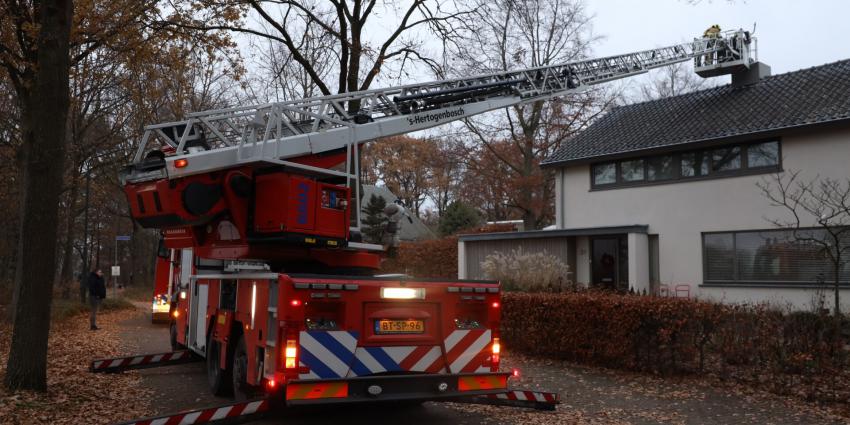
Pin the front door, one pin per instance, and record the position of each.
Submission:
(610, 263)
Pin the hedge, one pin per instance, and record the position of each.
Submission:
(434, 258)
(751, 343)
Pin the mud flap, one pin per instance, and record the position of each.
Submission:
(142, 361)
(517, 398)
(228, 413)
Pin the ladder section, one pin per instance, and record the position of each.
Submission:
(219, 139)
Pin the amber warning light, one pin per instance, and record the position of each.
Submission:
(181, 163)
(290, 353)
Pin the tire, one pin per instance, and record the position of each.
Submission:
(242, 391)
(173, 337)
(218, 380)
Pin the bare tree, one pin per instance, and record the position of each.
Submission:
(345, 28)
(515, 34)
(818, 214)
(447, 171)
(282, 78)
(673, 80)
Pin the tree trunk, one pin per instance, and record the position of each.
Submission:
(44, 119)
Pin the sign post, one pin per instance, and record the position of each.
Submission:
(116, 269)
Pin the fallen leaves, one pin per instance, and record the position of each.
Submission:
(592, 395)
(74, 395)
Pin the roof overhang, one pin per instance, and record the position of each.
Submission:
(559, 233)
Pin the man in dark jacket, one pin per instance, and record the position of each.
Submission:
(97, 292)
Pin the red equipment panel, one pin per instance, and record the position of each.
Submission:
(292, 203)
(270, 202)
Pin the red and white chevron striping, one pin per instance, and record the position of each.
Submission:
(527, 396)
(466, 350)
(203, 416)
(139, 360)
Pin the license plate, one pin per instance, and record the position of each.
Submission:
(399, 326)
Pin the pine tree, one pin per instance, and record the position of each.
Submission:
(375, 221)
(458, 216)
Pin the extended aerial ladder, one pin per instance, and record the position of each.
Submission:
(321, 136)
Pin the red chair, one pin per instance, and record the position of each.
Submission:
(683, 291)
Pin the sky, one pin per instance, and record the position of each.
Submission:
(792, 34)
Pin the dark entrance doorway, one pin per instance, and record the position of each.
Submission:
(610, 262)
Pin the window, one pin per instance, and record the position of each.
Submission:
(763, 154)
(768, 257)
(632, 171)
(605, 173)
(719, 252)
(726, 159)
(660, 168)
(694, 164)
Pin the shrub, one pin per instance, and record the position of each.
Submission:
(530, 272)
(754, 344)
(436, 258)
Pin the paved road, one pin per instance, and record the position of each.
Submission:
(184, 387)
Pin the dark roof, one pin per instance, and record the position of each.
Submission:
(810, 96)
(557, 233)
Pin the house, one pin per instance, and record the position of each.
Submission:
(411, 229)
(661, 196)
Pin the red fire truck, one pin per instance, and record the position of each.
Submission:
(267, 278)
(319, 338)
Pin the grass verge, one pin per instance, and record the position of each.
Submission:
(64, 309)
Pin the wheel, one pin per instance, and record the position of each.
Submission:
(218, 380)
(241, 389)
(173, 337)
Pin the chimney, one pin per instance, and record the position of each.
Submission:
(754, 74)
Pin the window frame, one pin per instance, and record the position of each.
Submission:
(678, 177)
(757, 283)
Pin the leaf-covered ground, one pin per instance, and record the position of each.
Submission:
(602, 396)
(74, 395)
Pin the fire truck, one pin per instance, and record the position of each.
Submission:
(263, 270)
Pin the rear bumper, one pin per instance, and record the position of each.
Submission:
(160, 317)
(393, 388)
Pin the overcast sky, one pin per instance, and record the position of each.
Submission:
(792, 34)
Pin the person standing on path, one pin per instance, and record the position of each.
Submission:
(97, 292)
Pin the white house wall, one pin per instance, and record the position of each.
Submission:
(680, 212)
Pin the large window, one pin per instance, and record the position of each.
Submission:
(605, 173)
(632, 171)
(725, 161)
(778, 257)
